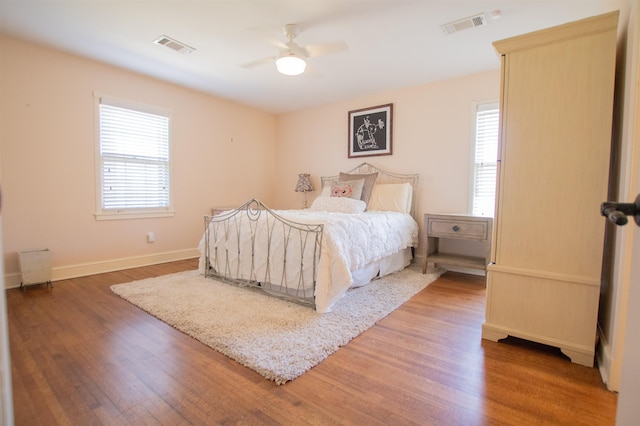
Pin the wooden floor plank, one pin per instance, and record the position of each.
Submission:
(82, 355)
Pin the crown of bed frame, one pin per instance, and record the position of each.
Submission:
(384, 176)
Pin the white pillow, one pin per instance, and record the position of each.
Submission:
(338, 205)
(326, 191)
(395, 197)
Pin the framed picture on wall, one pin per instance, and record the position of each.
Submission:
(370, 131)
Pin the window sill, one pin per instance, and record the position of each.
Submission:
(134, 215)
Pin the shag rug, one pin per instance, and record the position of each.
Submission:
(280, 340)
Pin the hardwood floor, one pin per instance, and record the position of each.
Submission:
(81, 355)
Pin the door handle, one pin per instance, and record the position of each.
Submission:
(617, 212)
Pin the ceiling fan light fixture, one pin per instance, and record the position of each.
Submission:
(290, 64)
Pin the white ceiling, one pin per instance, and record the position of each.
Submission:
(392, 43)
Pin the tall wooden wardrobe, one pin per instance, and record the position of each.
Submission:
(543, 282)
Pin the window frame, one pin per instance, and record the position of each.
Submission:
(129, 213)
(476, 107)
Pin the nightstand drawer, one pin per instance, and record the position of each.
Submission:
(458, 228)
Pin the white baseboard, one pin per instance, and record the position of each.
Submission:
(82, 270)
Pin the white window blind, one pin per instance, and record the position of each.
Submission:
(134, 158)
(486, 156)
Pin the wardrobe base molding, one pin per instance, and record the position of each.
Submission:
(582, 355)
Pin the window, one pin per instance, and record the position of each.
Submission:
(133, 160)
(485, 158)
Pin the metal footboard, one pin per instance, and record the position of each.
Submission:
(254, 247)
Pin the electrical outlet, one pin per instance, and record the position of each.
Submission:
(151, 237)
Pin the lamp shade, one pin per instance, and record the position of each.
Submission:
(304, 183)
(290, 64)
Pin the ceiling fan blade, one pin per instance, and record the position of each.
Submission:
(257, 62)
(294, 48)
(277, 43)
(268, 35)
(314, 50)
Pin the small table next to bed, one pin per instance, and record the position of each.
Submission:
(454, 226)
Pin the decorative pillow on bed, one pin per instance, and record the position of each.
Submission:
(347, 188)
(395, 197)
(326, 191)
(369, 180)
(338, 205)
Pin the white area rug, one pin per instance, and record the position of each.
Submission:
(278, 339)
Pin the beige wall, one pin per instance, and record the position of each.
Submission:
(223, 154)
(432, 136)
(47, 161)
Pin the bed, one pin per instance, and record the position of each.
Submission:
(361, 226)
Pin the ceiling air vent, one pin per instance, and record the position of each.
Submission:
(463, 24)
(174, 44)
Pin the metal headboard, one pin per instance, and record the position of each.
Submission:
(383, 177)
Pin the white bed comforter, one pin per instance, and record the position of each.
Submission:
(350, 242)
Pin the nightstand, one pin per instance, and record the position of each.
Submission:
(457, 227)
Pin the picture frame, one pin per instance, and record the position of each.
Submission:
(370, 131)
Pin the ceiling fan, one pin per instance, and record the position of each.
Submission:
(291, 58)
